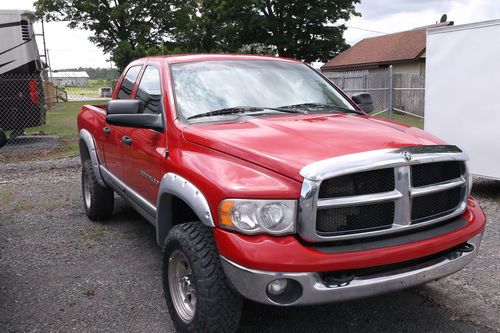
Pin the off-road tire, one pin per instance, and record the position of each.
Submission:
(3, 138)
(97, 200)
(218, 306)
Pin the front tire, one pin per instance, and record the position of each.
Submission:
(198, 296)
(98, 200)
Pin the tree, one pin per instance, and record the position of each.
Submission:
(301, 29)
(129, 29)
(123, 28)
(206, 26)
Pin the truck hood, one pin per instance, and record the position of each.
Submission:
(286, 144)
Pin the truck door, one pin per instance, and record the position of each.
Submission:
(113, 135)
(143, 154)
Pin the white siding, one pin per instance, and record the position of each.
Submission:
(409, 68)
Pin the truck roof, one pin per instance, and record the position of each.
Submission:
(176, 58)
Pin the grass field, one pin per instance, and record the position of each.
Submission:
(61, 122)
(409, 120)
(91, 91)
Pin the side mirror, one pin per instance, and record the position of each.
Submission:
(140, 120)
(364, 101)
(125, 106)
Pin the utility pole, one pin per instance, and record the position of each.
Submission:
(48, 63)
(391, 90)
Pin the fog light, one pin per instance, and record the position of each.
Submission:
(277, 287)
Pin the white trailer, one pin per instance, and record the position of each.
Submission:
(462, 94)
(21, 92)
(18, 49)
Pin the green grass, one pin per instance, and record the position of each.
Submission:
(90, 91)
(100, 82)
(61, 122)
(407, 119)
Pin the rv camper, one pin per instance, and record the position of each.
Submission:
(21, 93)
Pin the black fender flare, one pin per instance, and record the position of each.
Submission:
(174, 185)
(87, 138)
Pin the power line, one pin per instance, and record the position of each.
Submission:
(77, 50)
(369, 30)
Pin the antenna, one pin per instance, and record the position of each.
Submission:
(443, 19)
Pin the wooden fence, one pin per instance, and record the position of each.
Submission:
(409, 93)
(401, 92)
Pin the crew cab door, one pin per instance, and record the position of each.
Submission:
(113, 135)
(143, 155)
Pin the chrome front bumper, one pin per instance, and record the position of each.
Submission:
(312, 289)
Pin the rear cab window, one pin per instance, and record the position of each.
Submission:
(149, 90)
(128, 82)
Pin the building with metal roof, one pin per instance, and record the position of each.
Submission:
(70, 79)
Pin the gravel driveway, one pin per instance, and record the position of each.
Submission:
(61, 272)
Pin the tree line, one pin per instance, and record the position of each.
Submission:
(308, 30)
(108, 74)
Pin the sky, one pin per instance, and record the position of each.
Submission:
(71, 48)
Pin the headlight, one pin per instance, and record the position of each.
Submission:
(276, 217)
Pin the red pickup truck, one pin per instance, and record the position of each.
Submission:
(264, 180)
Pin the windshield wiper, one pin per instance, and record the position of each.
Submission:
(240, 109)
(319, 106)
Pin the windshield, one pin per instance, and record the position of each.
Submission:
(202, 87)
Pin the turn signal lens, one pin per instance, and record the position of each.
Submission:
(225, 213)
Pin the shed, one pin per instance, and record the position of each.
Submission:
(405, 51)
(70, 79)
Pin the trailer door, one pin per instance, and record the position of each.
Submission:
(462, 101)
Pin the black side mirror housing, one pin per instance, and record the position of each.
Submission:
(125, 106)
(364, 101)
(129, 113)
(142, 120)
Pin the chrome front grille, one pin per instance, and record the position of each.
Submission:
(351, 219)
(374, 181)
(427, 207)
(381, 192)
(433, 173)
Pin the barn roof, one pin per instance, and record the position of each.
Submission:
(81, 74)
(383, 50)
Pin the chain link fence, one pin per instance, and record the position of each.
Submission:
(77, 89)
(393, 93)
(38, 117)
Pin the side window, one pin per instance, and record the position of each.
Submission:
(149, 90)
(128, 82)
